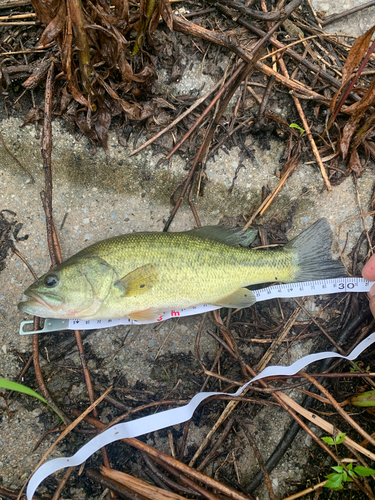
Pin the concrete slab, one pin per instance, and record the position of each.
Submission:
(94, 199)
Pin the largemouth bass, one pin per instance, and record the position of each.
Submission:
(141, 275)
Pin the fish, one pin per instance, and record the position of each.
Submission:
(141, 275)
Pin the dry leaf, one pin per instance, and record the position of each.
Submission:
(349, 129)
(101, 122)
(85, 128)
(355, 56)
(367, 100)
(34, 115)
(166, 13)
(355, 164)
(46, 10)
(96, 61)
(54, 26)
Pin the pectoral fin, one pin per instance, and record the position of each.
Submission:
(238, 299)
(139, 281)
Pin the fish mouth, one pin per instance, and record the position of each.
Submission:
(39, 303)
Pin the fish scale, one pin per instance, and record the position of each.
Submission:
(190, 267)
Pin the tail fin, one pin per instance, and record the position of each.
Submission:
(312, 250)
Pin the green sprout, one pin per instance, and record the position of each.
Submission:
(338, 439)
(343, 473)
(335, 440)
(295, 125)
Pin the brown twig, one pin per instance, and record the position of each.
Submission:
(20, 256)
(46, 195)
(114, 486)
(163, 478)
(188, 482)
(19, 23)
(201, 12)
(25, 368)
(307, 130)
(192, 206)
(53, 244)
(317, 488)
(264, 16)
(39, 376)
(30, 51)
(139, 486)
(62, 483)
(336, 17)
(269, 199)
(259, 457)
(45, 434)
(217, 445)
(18, 16)
(265, 100)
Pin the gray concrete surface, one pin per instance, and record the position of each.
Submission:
(98, 199)
(353, 25)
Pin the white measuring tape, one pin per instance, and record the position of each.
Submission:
(289, 290)
(176, 416)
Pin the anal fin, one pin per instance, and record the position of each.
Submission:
(238, 299)
(150, 314)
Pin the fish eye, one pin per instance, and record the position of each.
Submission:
(50, 281)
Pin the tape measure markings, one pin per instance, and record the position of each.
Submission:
(284, 290)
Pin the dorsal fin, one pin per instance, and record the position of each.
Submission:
(225, 234)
